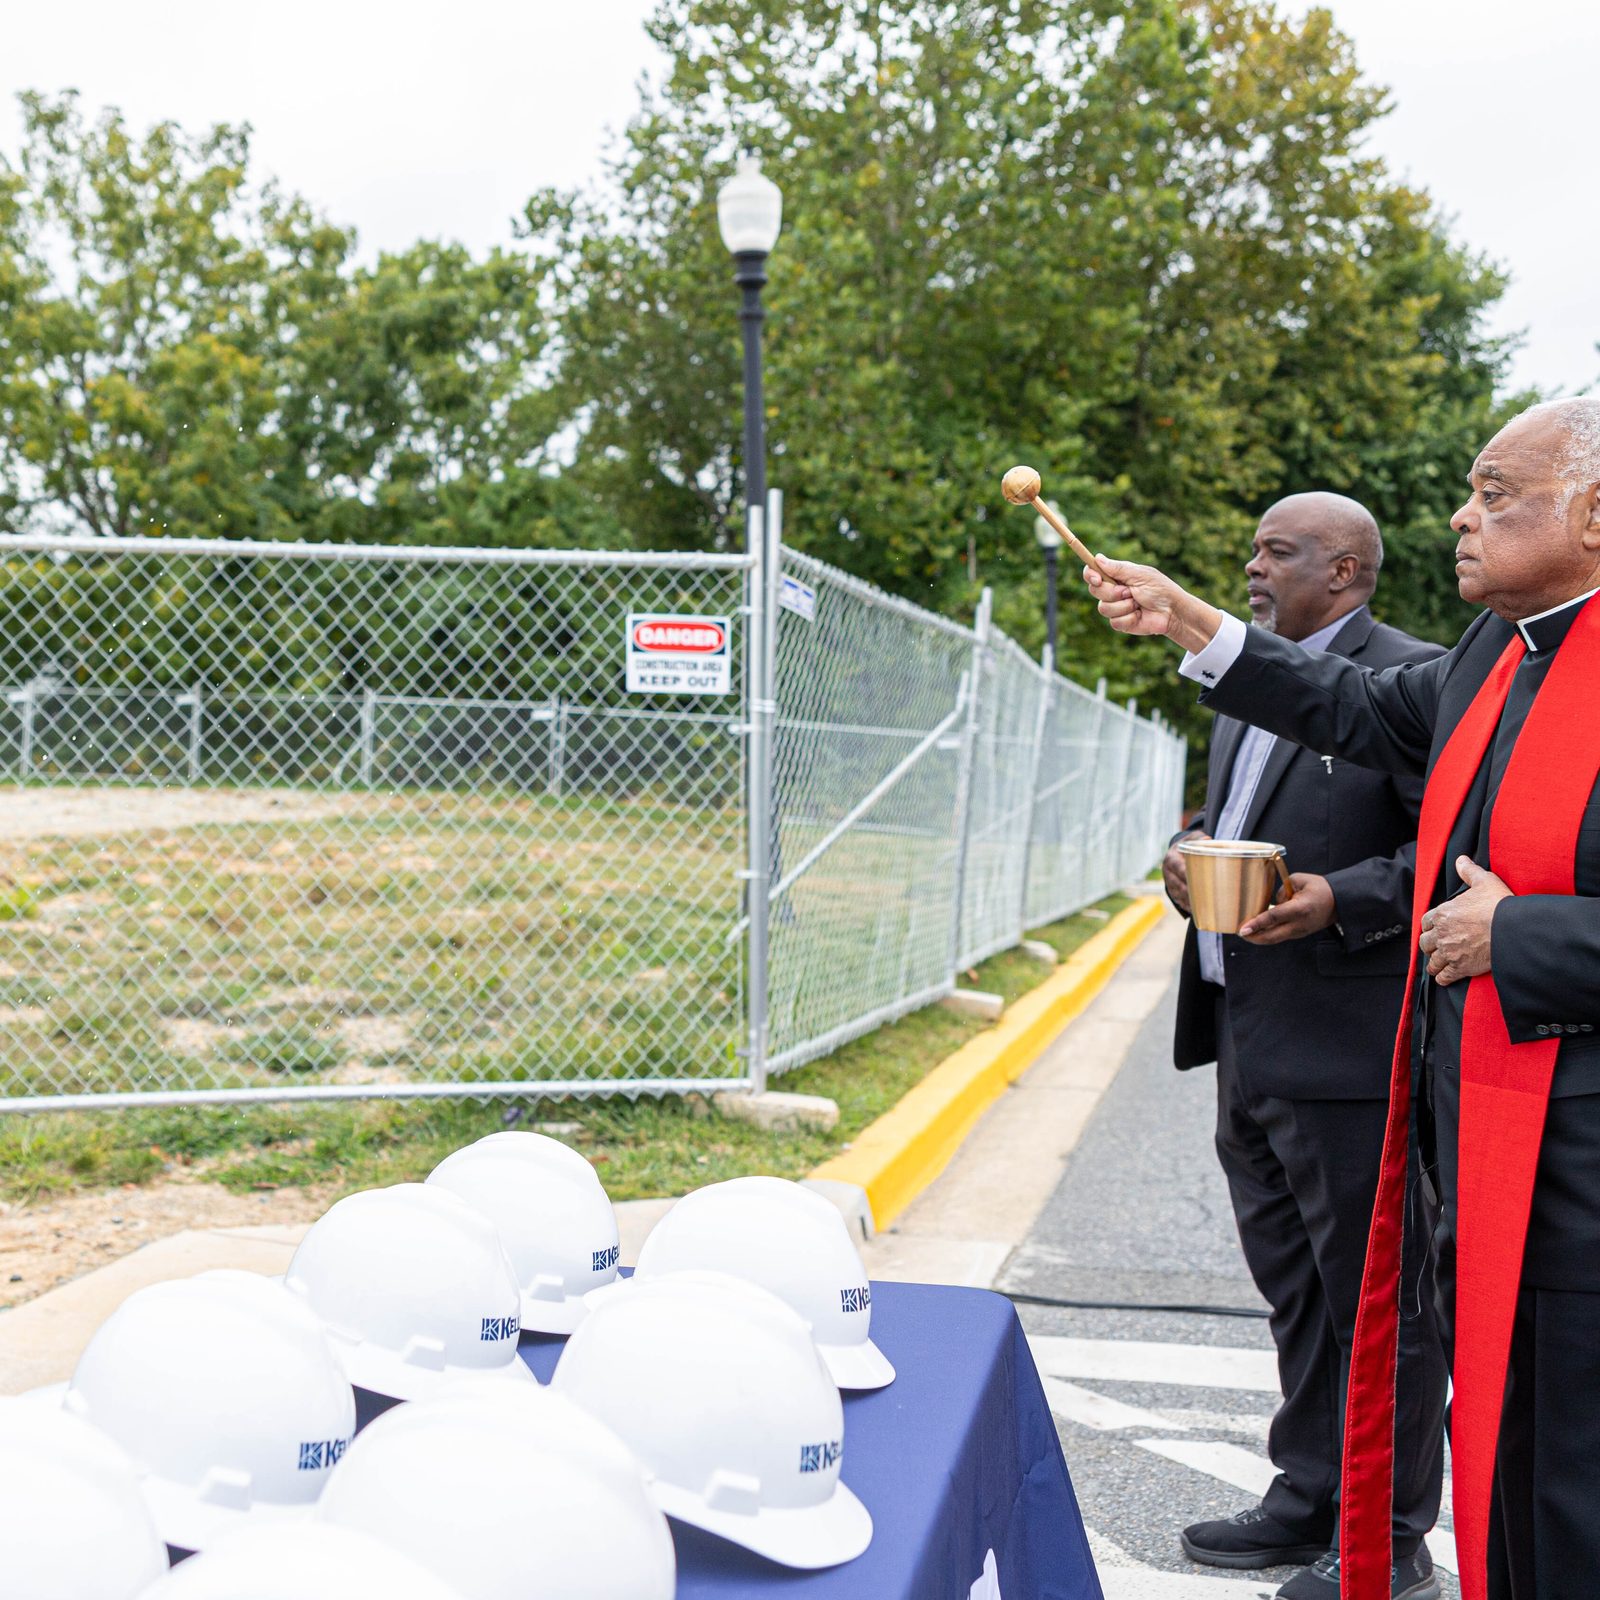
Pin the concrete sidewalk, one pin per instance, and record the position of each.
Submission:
(960, 1231)
(967, 1223)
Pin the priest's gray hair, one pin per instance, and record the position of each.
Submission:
(1578, 465)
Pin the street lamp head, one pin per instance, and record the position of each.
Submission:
(1045, 532)
(749, 209)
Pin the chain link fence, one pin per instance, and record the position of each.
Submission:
(296, 822)
(935, 793)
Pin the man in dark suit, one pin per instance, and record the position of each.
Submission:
(1300, 1019)
(1499, 1047)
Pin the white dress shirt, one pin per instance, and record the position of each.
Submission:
(1248, 763)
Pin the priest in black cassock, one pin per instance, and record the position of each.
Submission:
(1495, 1094)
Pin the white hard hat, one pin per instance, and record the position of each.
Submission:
(719, 1391)
(554, 1218)
(539, 1147)
(305, 1561)
(790, 1241)
(518, 1493)
(73, 1524)
(413, 1287)
(224, 1390)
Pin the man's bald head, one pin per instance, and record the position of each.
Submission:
(1316, 558)
(1341, 525)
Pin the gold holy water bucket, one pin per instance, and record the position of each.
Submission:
(1233, 880)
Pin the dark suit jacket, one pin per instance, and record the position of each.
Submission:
(1546, 948)
(1315, 1019)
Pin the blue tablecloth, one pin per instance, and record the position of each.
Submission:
(957, 1457)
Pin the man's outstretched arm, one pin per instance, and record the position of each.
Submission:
(1325, 702)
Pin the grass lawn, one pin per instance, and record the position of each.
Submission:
(641, 1148)
(371, 939)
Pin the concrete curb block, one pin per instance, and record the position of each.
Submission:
(895, 1158)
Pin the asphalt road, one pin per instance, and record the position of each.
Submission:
(1163, 1414)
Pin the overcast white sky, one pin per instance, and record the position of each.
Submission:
(412, 119)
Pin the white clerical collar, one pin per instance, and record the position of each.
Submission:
(1556, 623)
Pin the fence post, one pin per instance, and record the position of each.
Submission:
(1172, 791)
(969, 744)
(1158, 786)
(1122, 789)
(195, 714)
(1150, 765)
(556, 776)
(1152, 781)
(758, 820)
(25, 696)
(1047, 694)
(774, 555)
(369, 722)
(773, 536)
(1091, 799)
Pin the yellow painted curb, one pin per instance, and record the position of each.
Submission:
(896, 1157)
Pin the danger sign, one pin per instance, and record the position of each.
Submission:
(679, 655)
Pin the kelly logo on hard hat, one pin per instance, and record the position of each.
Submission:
(316, 1454)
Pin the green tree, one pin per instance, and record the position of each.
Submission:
(1135, 242)
(414, 408)
(186, 351)
(136, 391)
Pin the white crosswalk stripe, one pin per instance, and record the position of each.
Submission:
(1073, 1403)
(1442, 1547)
(1072, 1369)
(1147, 1584)
(1244, 1469)
(1144, 1361)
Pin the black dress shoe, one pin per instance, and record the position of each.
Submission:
(1410, 1579)
(1249, 1539)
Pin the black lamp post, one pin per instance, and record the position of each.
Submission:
(749, 214)
(1050, 543)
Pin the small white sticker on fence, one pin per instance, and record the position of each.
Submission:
(678, 655)
(797, 597)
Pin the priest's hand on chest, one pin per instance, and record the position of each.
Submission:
(1455, 936)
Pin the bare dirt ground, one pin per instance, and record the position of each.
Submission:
(73, 813)
(48, 1244)
(45, 1245)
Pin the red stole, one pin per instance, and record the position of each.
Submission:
(1505, 1089)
